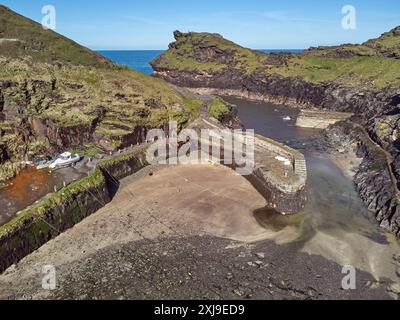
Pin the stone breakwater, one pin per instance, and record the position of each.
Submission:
(282, 185)
(320, 119)
(378, 111)
(286, 194)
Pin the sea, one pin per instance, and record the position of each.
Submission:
(140, 59)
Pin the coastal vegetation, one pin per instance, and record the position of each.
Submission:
(61, 210)
(37, 212)
(362, 71)
(360, 79)
(57, 95)
(218, 108)
(372, 65)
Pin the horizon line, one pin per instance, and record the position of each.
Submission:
(167, 49)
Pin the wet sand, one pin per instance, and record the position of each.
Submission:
(191, 225)
(182, 232)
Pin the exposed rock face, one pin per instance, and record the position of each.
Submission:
(56, 95)
(374, 177)
(60, 138)
(238, 71)
(3, 153)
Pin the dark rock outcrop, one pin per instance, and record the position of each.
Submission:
(377, 110)
(374, 177)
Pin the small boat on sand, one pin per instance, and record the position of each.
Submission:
(42, 162)
(65, 160)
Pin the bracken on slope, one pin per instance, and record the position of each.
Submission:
(56, 94)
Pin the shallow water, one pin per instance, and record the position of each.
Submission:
(23, 191)
(30, 186)
(335, 223)
(268, 120)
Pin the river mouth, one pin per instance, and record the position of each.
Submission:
(335, 222)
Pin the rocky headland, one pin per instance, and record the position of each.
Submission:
(359, 79)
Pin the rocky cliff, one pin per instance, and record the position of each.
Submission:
(56, 95)
(361, 79)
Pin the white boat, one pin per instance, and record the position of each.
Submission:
(287, 118)
(65, 160)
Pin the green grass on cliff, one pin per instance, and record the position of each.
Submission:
(218, 108)
(184, 56)
(367, 66)
(37, 211)
(388, 44)
(173, 61)
(85, 81)
(21, 37)
(376, 72)
(80, 91)
(192, 105)
(59, 84)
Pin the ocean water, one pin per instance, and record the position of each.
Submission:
(140, 59)
(282, 50)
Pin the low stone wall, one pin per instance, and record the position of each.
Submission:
(36, 225)
(320, 119)
(40, 223)
(125, 165)
(287, 197)
(282, 201)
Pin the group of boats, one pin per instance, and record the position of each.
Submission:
(64, 160)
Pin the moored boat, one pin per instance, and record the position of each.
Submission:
(66, 159)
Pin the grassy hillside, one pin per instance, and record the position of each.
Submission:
(48, 77)
(374, 64)
(22, 37)
(388, 44)
(208, 52)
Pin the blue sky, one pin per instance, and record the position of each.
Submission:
(260, 24)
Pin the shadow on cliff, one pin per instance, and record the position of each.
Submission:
(112, 183)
